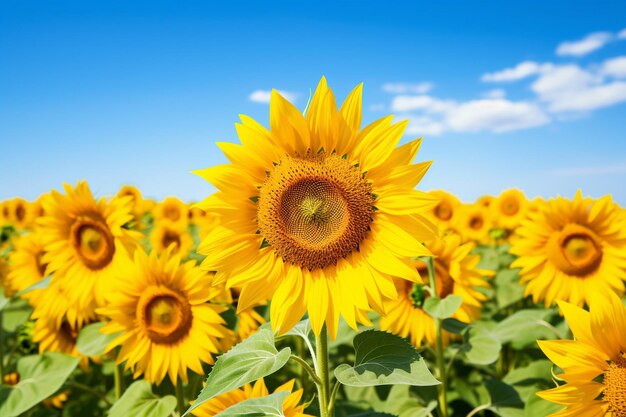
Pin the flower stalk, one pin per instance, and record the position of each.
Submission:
(439, 354)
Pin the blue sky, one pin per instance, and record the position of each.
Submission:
(527, 94)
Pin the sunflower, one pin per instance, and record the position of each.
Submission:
(571, 249)
(594, 364)
(485, 200)
(27, 266)
(456, 273)
(315, 213)
(258, 390)
(84, 240)
(140, 206)
(160, 307)
(473, 222)
(54, 337)
(15, 212)
(248, 319)
(165, 234)
(509, 209)
(445, 212)
(53, 304)
(172, 210)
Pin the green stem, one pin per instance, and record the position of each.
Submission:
(441, 365)
(478, 410)
(307, 368)
(118, 375)
(323, 389)
(333, 395)
(180, 397)
(1, 351)
(90, 390)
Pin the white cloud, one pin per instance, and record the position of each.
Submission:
(571, 88)
(521, 70)
(432, 116)
(584, 46)
(404, 88)
(614, 67)
(263, 96)
(495, 93)
(622, 34)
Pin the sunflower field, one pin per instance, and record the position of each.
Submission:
(318, 280)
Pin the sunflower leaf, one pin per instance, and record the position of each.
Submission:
(384, 359)
(268, 406)
(139, 401)
(254, 358)
(442, 308)
(91, 342)
(480, 346)
(40, 377)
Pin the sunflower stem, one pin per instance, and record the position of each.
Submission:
(118, 375)
(321, 345)
(180, 397)
(306, 367)
(439, 354)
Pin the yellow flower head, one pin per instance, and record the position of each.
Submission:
(53, 337)
(445, 212)
(160, 307)
(485, 200)
(509, 209)
(291, 407)
(456, 273)
(27, 266)
(140, 206)
(84, 240)
(594, 364)
(17, 212)
(172, 210)
(473, 222)
(316, 213)
(167, 234)
(570, 249)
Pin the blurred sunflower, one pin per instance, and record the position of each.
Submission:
(7, 288)
(53, 304)
(571, 249)
(473, 222)
(446, 210)
(140, 206)
(291, 407)
(315, 213)
(509, 209)
(27, 266)
(53, 337)
(172, 210)
(160, 307)
(485, 200)
(456, 273)
(165, 234)
(15, 212)
(594, 363)
(84, 239)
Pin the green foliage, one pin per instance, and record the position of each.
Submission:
(248, 361)
(139, 401)
(268, 406)
(384, 359)
(40, 377)
(480, 346)
(91, 342)
(442, 308)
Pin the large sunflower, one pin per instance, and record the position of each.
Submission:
(84, 239)
(291, 407)
(594, 364)
(160, 307)
(315, 213)
(456, 273)
(571, 249)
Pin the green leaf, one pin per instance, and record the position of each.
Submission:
(91, 342)
(453, 325)
(538, 407)
(3, 301)
(384, 359)
(254, 358)
(508, 287)
(15, 313)
(139, 401)
(523, 327)
(39, 285)
(480, 346)
(372, 414)
(40, 377)
(503, 395)
(269, 406)
(442, 309)
(302, 329)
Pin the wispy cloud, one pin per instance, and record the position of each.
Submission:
(518, 72)
(584, 46)
(495, 93)
(614, 67)
(263, 96)
(593, 170)
(406, 88)
(622, 34)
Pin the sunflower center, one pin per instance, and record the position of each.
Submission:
(69, 332)
(576, 250)
(41, 266)
(443, 280)
(476, 223)
(314, 210)
(93, 242)
(510, 207)
(171, 237)
(164, 314)
(172, 213)
(443, 211)
(20, 212)
(615, 387)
